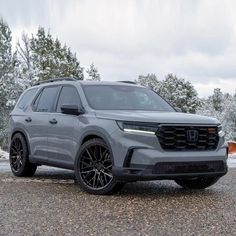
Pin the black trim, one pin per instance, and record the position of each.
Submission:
(145, 173)
(129, 155)
(38, 94)
(127, 82)
(61, 164)
(184, 167)
(54, 107)
(39, 160)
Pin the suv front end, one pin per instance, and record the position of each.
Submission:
(161, 151)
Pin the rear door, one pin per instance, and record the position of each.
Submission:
(62, 141)
(38, 123)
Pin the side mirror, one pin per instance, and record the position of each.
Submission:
(71, 110)
(178, 109)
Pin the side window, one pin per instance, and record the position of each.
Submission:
(45, 100)
(27, 96)
(68, 96)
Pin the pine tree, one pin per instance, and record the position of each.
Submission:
(178, 92)
(5, 63)
(51, 59)
(27, 72)
(149, 80)
(93, 73)
(8, 93)
(226, 114)
(217, 99)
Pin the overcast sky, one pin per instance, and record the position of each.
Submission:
(193, 39)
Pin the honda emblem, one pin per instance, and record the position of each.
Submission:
(192, 135)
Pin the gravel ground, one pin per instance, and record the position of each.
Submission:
(51, 204)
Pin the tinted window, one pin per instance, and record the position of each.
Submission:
(27, 96)
(68, 96)
(124, 97)
(46, 99)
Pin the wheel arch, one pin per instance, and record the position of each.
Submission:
(96, 134)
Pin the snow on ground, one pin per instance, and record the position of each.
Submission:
(3, 154)
(232, 161)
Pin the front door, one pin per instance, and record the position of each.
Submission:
(62, 142)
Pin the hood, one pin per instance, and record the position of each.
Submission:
(156, 117)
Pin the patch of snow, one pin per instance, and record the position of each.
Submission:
(232, 160)
(3, 154)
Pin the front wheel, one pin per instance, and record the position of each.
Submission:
(197, 183)
(93, 168)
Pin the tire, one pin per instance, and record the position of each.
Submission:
(19, 157)
(197, 183)
(93, 168)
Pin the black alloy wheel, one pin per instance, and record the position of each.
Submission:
(94, 168)
(18, 157)
(16, 154)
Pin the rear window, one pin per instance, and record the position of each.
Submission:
(46, 99)
(26, 97)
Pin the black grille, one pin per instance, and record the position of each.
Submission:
(192, 138)
(189, 167)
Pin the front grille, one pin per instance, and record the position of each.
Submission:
(189, 167)
(188, 138)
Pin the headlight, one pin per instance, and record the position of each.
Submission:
(138, 127)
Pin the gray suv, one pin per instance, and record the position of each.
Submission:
(111, 133)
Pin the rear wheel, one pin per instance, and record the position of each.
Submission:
(93, 168)
(197, 183)
(19, 157)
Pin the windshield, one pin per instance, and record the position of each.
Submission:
(124, 97)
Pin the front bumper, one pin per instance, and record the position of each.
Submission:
(140, 157)
(149, 164)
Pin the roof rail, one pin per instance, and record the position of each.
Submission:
(54, 80)
(127, 82)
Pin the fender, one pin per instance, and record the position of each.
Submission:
(99, 134)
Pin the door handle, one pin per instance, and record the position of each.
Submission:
(28, 119)
(53, 121)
